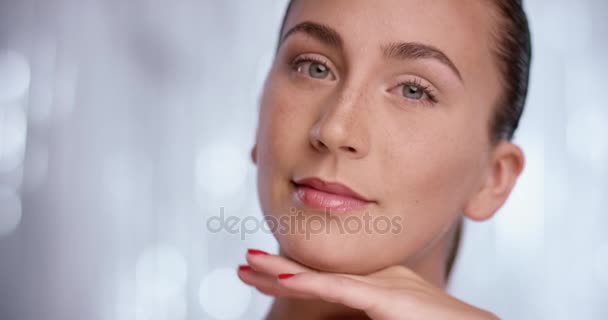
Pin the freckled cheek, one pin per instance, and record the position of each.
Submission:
(282, 130)
(430, 177)
(281, 141)
(287, 116)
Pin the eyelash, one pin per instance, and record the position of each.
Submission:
(427, 90)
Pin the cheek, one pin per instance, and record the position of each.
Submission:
(441, 171)
(282, 135)
(281, 130)
(429, 177)
(287, 114)
(436, 161)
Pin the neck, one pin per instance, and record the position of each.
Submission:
(430, 264)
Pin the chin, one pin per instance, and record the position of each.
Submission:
(338, 253)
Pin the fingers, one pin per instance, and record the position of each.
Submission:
(265, 283)
(271, 275)
(333, 288)
(386, 294)
(262, 270)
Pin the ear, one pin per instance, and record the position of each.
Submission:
(505, 166)
(254, 154)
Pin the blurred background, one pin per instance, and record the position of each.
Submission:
(125, 125)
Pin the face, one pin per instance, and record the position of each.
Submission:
(375, 111)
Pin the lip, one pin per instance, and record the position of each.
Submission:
(334, 196)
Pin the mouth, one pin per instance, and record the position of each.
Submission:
(318, 194)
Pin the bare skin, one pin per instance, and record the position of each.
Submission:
(393, 99)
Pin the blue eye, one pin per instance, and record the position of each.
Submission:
(416, 91)
(413, 92)
(317, 70)
(313, 68)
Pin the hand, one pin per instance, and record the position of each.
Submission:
(392, 293)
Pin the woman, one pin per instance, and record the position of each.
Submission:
(396, 112)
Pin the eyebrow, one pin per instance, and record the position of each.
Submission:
(321, 32)
(395, 50)
(415, 50)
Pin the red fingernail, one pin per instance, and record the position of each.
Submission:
(244, 267)
(283, 276)
(257, 252)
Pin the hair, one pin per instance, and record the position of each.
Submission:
(513, 51)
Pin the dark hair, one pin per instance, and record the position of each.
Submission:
(514, 55)
(514, 52)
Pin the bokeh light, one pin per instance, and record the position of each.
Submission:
(221, 169)
(156, 308)
(10, 211)
(161, 272)
(223, 296)
(14, 75)
(13, 129)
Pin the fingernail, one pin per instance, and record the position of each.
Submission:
(257, 252)
(284, 276)
(244, 267)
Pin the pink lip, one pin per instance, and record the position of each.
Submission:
(319, 194)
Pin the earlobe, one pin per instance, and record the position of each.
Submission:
(506, 164)
(254, 154)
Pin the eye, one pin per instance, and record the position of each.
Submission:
(416, 91)
(313, 68)
(413, 92)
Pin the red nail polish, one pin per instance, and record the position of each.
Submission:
(257, 252)
(244, 267)
(283, 276)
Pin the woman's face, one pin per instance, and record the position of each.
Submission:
(390, 98)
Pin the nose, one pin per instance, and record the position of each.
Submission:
(342, 128)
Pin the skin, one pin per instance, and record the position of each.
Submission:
(424, 161)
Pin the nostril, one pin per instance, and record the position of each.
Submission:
(350, 149)
(319, 145)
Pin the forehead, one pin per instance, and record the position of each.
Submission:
(461, 29)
